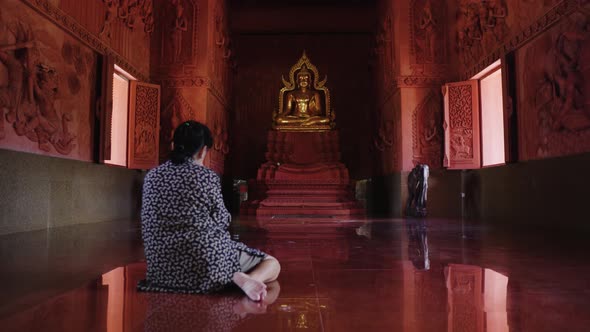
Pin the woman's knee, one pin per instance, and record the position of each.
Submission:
(275, 262)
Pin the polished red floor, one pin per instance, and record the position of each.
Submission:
(374, 275)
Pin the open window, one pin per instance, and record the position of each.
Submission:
(475, 133)
(130, 119)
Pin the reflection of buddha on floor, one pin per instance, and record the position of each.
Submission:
(303, 106)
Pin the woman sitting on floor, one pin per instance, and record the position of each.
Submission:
(185, 227)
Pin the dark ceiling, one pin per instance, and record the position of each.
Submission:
(283, 3)
(302, 16)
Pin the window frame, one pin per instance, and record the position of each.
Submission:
(505, 64)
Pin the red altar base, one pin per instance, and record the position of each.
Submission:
(303, 177)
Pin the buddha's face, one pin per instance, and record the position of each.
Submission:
(303, 80)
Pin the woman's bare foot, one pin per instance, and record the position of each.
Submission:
(256, 290)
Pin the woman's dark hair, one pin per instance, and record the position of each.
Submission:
(188, 139)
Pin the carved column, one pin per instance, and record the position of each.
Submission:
(423, 66)
(411, 57)
(190, 59)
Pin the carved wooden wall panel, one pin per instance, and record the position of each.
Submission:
(427, 133)
(125, 26)
(176, 35)
(481, 28)
(192, 64)
(428, 34)
(384, 58)
(221, 54)
(175, 111)
(46, 86)
(554, 90)
(217, 118)
(386, 142)
(144, 124)
(525, 20)
(461, 124)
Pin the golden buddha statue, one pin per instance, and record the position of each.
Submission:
(304, 103)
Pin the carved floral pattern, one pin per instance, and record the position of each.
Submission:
(44, 92)
(418, 81)
(146, 123)
(461, 121)
(461, 108)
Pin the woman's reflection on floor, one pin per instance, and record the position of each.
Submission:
(219, 312)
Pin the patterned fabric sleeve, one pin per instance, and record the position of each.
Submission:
(219, 213)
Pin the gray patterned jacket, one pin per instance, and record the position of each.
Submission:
(184, 227)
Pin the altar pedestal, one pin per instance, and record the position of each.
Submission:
(302, 177)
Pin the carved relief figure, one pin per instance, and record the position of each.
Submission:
(384, 138)
(432, 133)
(147, 15)
(427, 132)
(556, 89)
(42, 91)
(384, 53)
(123, 10)
(176, 112)
(133, 14)
(221, 54)
(48, 123)
(14, 38)
(460, 148)
(387, 134)
(31, 94)
(428, 43)
(428, 24)
(128, 11)
(220, 136)
(180, 26)
(110, 16)
(481, 27)
(496, 20)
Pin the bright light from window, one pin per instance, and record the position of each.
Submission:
(120, 117)
(492, 119)
(119, 122)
